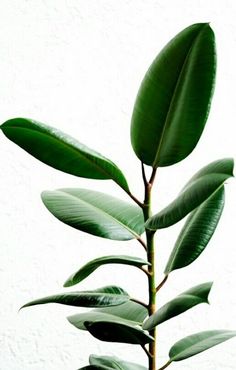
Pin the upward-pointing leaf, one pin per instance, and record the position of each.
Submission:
(196, 232)
(173, 101)
(202, 185)
(91, 266)
(95, 213)
(199, 342)
(61, 151)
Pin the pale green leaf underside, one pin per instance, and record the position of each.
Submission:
(91, 266)
(204, 184)
(118, 332)
(174, 98)
(197, 343)
(129, 313)
(61, 151)
(113, 362)
(106, 296)
(96, 213)
(196, 232)
(183, 302)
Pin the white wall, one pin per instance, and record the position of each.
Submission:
(77, 65)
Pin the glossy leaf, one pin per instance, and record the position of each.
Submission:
(174, 98)
(118, 332)
(196, 232)
(61, 151)
(129, 313)
(91, 266)
(95, 213)
(183, 302)
(106, 296)
(202, 185)
(199, 342)
(113, 362)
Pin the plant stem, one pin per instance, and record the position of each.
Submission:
(151, 267)
(165, 366)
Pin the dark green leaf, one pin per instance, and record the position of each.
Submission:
(204, 184)
(113, 362)
(196, 232)
(118, 332)
(106, 296)
(91, 266)
(61, 151)
(129, 313)
(173, 101)
(95, 213)
(199, 342)
(183, 302)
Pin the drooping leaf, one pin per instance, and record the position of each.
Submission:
(204, 184)
(95, 213)
(183, 302)
(113, 362)
(196, 232)
(199, 342)
(118, 332)
(91, 266)
(106, 296)
(61, 151)
(174, 98)
(130, 313)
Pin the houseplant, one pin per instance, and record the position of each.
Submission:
(169, 116)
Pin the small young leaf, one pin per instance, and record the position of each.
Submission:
(118, 332)
(199, 342)
(61, 151)
(91, 266)
(174, 98)
(196, 232)
(113, 362)
(95, 213)
(204, 184)
(106, 296)
(183, 302)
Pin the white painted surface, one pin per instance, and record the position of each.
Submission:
(77, 65)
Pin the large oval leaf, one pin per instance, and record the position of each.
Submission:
(129, 313)
(199, 342)
(173, 101)
(118, 332)
(196, 232)
(61, 151)
(113, 362)
(106, 296)
(95, 213)
(202, 185)
(183, 302)
(91, 266)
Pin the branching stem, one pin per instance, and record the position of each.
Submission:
(161, 283)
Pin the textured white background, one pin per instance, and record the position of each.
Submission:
(77, 65)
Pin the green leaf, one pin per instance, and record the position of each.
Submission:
(61, 151)
(202, 185)
(106, 296)
(118, 332)
(174, 98)
(196, 232)
(91, 266)
(129, 313)
(113, 362)
(199, 342)
(183, 302)
(95, 213)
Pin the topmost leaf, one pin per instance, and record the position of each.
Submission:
(61, 151)
(174, 98)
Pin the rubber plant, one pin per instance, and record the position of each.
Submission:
(169, 116)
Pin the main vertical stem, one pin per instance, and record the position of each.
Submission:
(151, 270)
